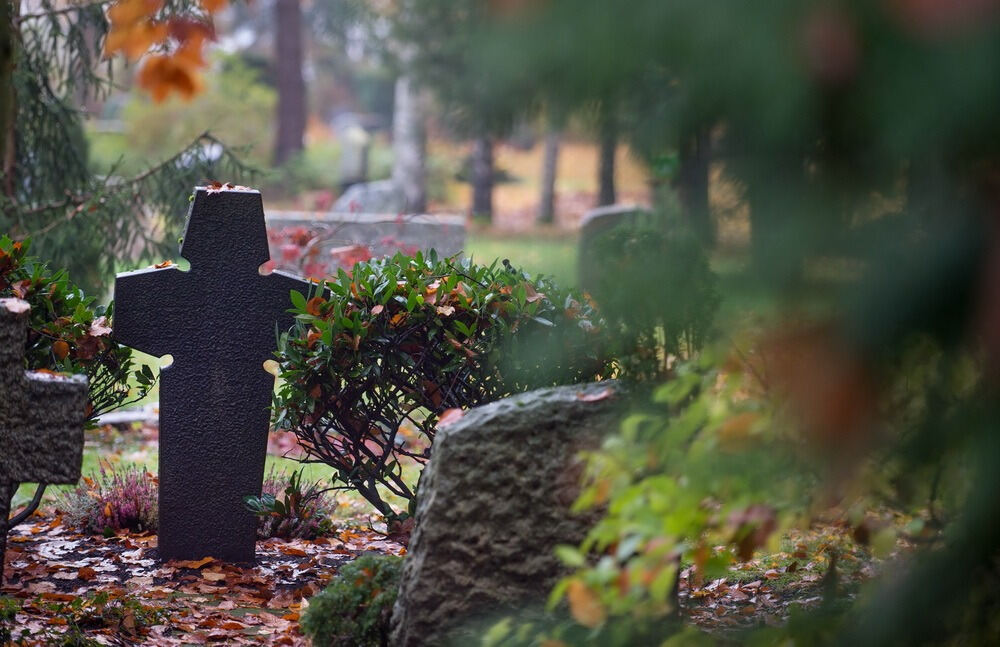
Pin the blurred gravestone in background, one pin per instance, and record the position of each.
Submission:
(355, 142)
(316, 244)
(381, 197)
(485, 536)
(595, 223)
(41, 418)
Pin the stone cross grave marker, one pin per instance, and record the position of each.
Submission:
(219, 320)
(41, 418)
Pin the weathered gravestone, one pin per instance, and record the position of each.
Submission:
(41, 418)
(595, 223)
(380, 196)
(382, 234)
(493, 505)
(219, 321)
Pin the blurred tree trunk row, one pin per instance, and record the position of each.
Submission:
(550, 161)
(291, 85)
(7, 139)
(409, 144)
(482, 178)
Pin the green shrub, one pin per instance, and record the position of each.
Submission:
(399, 341)
(656, 291)
(68, 333)
(355, 609)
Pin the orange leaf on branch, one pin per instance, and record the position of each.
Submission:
(163, 74)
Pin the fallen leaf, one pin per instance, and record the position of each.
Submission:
(449, 417)
(191, 564)
(595, 396)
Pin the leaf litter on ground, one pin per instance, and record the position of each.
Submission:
(56, 573)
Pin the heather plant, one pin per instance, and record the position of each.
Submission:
(67, 332)
(117, 499)
(404, 339)
(355, 609)
(290, 508)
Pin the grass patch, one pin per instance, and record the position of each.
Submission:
(554, 255)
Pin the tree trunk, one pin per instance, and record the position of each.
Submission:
(691, 184)
(482, 179)
(409, 144)
(606, 165)
(7, 99)
(291, 86)
(547, 208)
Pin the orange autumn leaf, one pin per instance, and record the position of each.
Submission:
(60, 349)
(107, 509)
(161, 75)
(314, 306)
(214, 6)
(135, 40)
(192, 563)
(129, 12)
(584, 605)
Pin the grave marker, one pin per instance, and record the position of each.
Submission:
(219, 321)
(41, 418)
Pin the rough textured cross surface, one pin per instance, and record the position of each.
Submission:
(493, 504)
(41, 418)
(219, 321)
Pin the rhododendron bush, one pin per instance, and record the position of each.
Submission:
(388, 348)
(68, 333)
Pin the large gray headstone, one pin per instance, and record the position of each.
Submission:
(41, 418)
(493, 504)
(219, 321)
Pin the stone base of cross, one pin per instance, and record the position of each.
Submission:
(220, 321)
(41, 418)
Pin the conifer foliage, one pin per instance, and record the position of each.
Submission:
(52, 63)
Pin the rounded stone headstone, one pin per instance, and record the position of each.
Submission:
(493, 504)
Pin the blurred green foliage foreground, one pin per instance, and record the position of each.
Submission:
(864, 139)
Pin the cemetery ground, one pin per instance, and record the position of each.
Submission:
(112, 589)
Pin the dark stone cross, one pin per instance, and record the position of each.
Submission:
(41, 418)
(219, 321)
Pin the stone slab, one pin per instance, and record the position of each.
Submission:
(493, 504)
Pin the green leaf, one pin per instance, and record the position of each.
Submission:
(298, 300)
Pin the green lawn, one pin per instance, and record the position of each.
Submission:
(550, 254)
